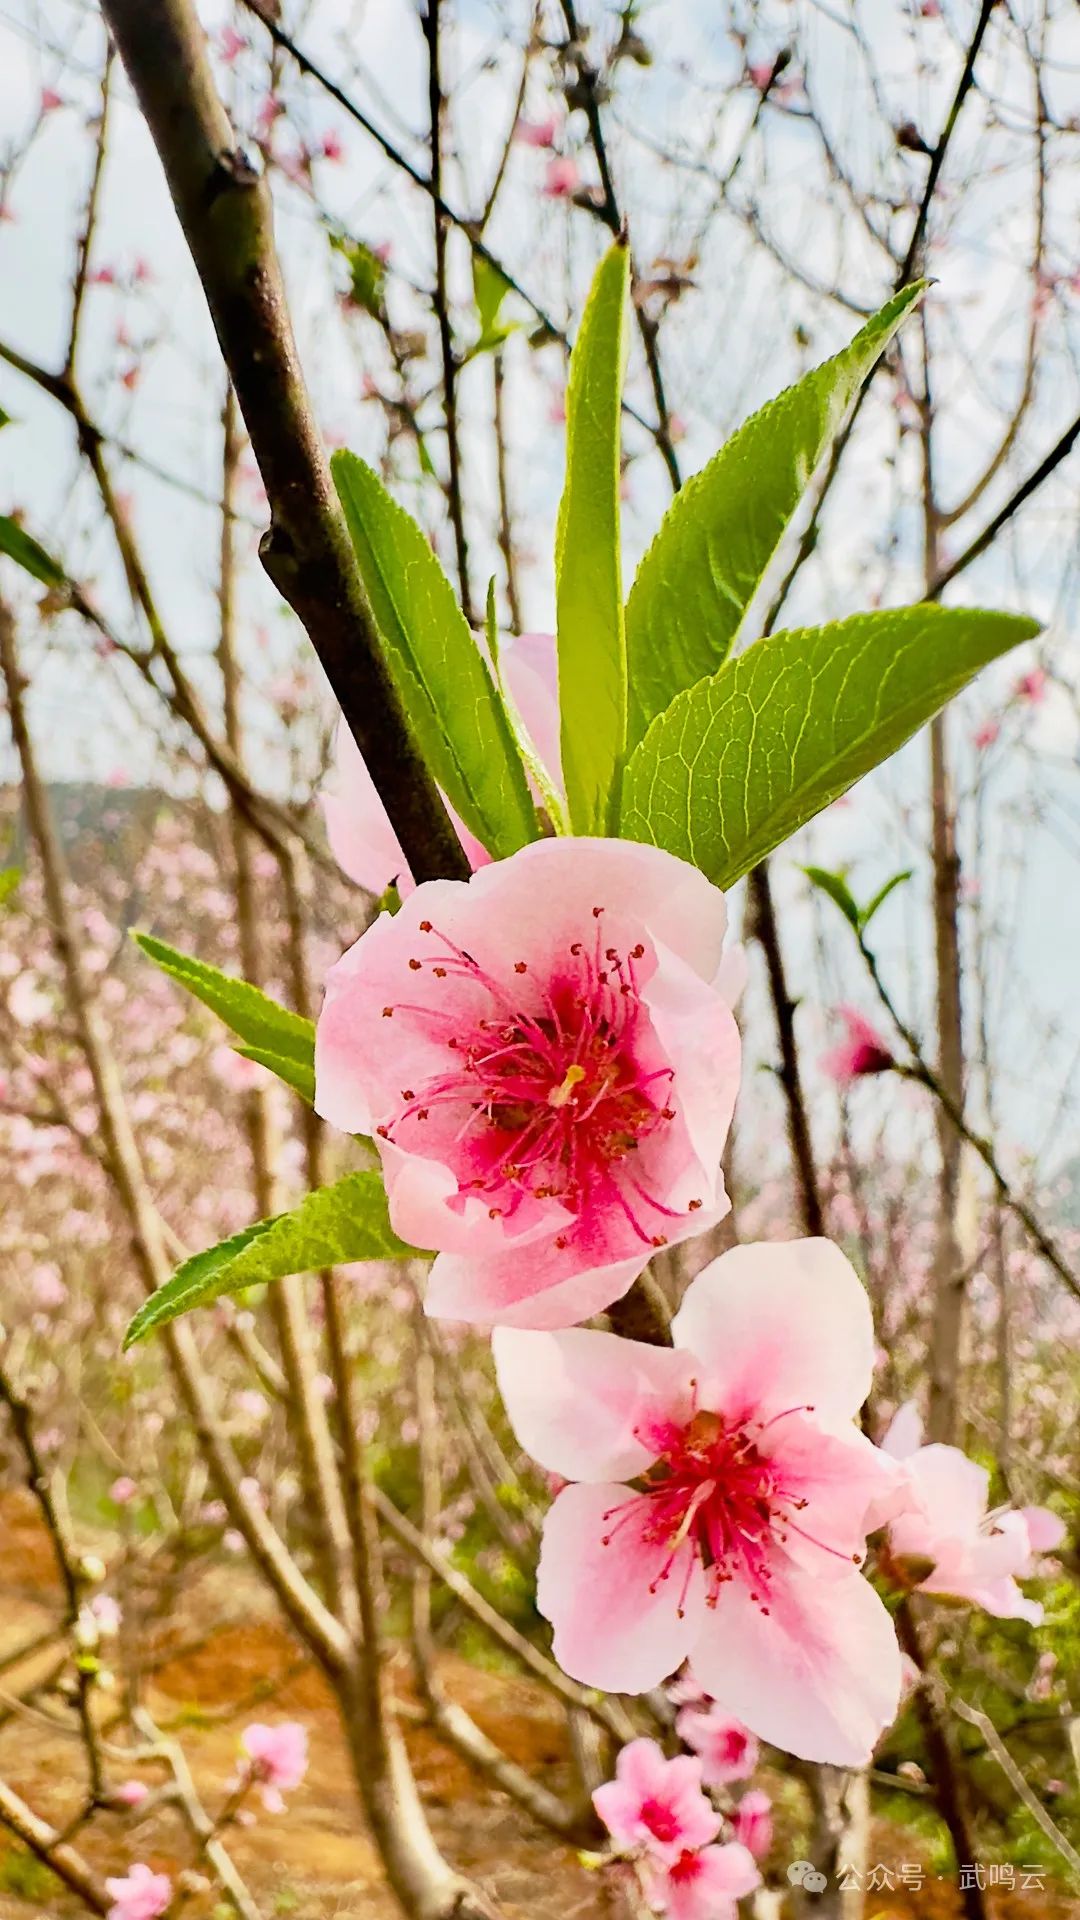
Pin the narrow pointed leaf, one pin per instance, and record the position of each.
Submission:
(440, 672)
(898, 880)
(708, 558)
(27, 554)
(272, 1033)
(838, 891)
(740, 761)
(588, 580)
(331, 1226)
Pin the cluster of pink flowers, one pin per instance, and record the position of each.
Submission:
(277, 1757)
(657, 1813)
(547, 1059)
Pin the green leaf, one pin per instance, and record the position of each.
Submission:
(716, 540)
(272, 1034)
(345, 1222)
(5, 418)
(588, 581)
(867, 913)
(740, 761)
(438, 668)
(837, 889)
(9, 880)
(489, 291)
(27, 554)
(367, 275)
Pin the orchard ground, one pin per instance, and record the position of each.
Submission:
(221, 1661)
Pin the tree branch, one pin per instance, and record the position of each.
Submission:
(225, 211)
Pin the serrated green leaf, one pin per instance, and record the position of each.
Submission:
(27, 554)
(867, 913)
(743, 759)
(9, 880)
(588, 580)
(716, 540)
(837, 889)
(440, 672)
(345, 1222)
(297, 1074)
(278, 1038)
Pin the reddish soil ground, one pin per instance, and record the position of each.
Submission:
(224, 1661)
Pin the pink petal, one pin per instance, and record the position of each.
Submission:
(952, 1493)
(905, 1433)
(586, 1405)
(780, 1325)
(1046, 1529)
(818, 1676)
(611, 1631)
(697, 1030)
(540, 1289)
(361, 838)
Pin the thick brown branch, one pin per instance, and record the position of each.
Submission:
(225, 210)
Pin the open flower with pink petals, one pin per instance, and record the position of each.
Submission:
(656, 1804)
(140, 1894)
(861, 1051)
(722, 1498)
(703, 1885)
(753, 1822)
(362, 840)
(278, 1756)
(727, 1749)
(948, 1537)
(548, 1061)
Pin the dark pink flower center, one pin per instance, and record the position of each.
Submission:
(557, 1088)
(662, 1821)
(715, 1486)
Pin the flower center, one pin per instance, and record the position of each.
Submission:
(716, 1486)
(661, 1820)
(555, 1087)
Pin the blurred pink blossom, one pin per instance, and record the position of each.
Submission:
(123, 1490)
(231, 45)
(1031, 686)
(279, 1758)
(50, 100)
(537, 133)
(142, 1894)
(562, 177)
(727, 1750)
(753, 1822)
(986, 734)
(863, 1050)
(131, 1793)
(705, 1885)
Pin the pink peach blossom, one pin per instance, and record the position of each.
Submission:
(1031, 686)
(537, 133)
(862, 1051)
(738, 1547)
(727, 1750)
(279, 1758)
(362, 840)
(123, 1490)
(656, 1804)
(704, 1885)
(231, 45)
(562, 177)
(50, 100)
(548, 1069)
(985, 735)
(131, 1793)
(753, 1822)
(976, 1555)
(141, 1894)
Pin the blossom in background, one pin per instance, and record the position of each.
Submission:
(753, 1822)
(562, 177)
(131, 1793)
(862, 1050)
(141, 1894)
(537, 133)
(727, 1749)
(702, 1885)
(362, 840)
(548, 1061)
(123, 1490)
(973, 1554)
(739, 1546)
(985, 735)
(107, 1614)
(656, 1803)
(1031, 686)
(278, 1757)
